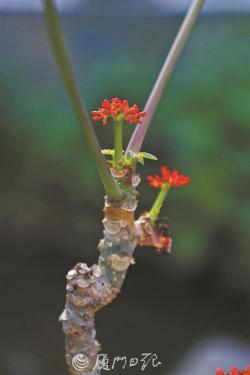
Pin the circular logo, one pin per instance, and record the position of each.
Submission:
(80, 362)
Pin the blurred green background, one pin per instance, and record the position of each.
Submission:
(51, 197)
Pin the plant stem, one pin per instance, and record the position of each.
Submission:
(58, 44)
(117, 142)
(160, 199)
(89, 289)
(140, 131)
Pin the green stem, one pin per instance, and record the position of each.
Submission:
(160, 199)
(117, 142)
(140, 131)
(63, 61)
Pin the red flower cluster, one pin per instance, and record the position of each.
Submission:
(234, 371)
(174, 178)
(116, 107)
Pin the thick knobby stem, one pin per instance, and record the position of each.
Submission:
(58, 44)
(90, 289)
(140, 131)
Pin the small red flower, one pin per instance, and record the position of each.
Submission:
(174, 178)
(117, 107)
(219, 371)
(234, 371)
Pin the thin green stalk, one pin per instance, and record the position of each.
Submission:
(158, 203)
(117, 142)
(140, 131)
(58, 44)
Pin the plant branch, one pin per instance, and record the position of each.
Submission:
(164, 75)
(160, 199)
(117, 142)
(58, 44)
(89, 289)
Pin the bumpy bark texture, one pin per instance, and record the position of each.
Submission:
(90, 289)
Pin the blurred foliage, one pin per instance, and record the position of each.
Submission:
(49, 185)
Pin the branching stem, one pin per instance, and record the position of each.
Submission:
(117, 142)
(156, 208)
(58, 44)
(140, 131)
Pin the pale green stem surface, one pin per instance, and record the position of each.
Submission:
(117, 142)
(140, 131)
(160, 199)
(58, 44)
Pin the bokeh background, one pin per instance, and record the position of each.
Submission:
(191, 308)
